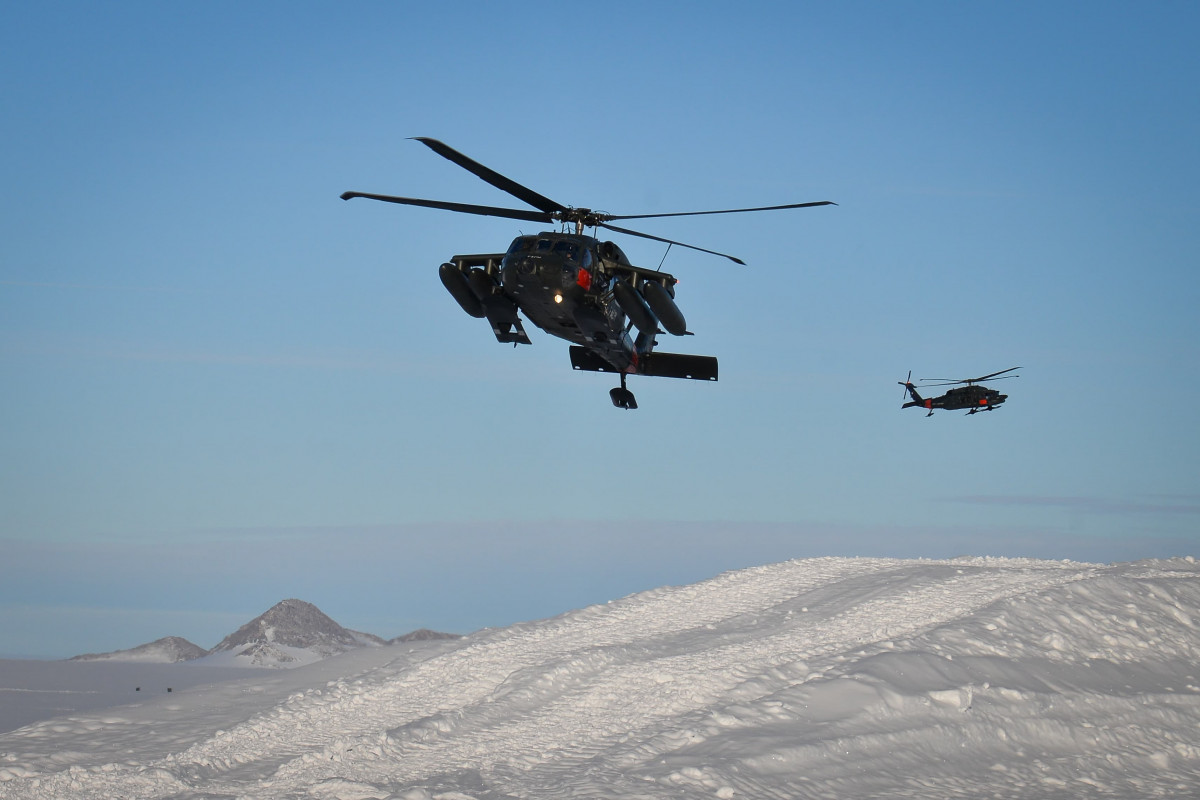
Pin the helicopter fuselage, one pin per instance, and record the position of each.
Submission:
(563, 285)
(974, 398)
(979, 397)
(580, 289)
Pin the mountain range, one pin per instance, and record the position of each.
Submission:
(289, 634)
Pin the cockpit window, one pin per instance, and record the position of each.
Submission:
(565, 248)
(568, 250)
(521, 245)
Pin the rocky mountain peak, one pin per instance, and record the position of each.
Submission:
(290, 623)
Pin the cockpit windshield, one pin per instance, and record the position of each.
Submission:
(564, 248)
(522, 244)
(568, 250)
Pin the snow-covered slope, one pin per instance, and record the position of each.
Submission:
(863, 678)
(168, 650)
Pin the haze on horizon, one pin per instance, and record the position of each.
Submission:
(225, 386)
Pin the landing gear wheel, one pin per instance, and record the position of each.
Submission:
(622, 397)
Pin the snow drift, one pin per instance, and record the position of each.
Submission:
(862, 678)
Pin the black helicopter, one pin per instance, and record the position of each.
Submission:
(969, 396)
(572, 286)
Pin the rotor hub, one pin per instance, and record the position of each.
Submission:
(579, 217)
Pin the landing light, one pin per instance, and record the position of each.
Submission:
(558, 298)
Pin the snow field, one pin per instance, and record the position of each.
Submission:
(815, 678)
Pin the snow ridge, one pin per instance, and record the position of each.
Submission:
(813, 678)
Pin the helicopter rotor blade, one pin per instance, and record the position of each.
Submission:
(952, 381)
(549, 210)
(1001, 372)
(491, 176)
(907, 383)
(465, 208)
(968, 381)
(734, 259)
(725, 211)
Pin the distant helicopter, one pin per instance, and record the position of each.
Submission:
(969, 396)
(572, 286)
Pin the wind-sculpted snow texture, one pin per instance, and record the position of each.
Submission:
(863, 678)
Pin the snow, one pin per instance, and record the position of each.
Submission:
(836, 677)
(38, 690)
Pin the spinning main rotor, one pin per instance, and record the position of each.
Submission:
(549, 211)
(969, 381)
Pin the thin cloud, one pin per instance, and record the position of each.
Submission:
(326, 360)
(1093, 505)
(93, 287)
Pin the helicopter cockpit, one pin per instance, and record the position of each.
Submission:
(570, 250)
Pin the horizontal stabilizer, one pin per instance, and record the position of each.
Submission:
(674, 365)
(582, 358)
(662, 365)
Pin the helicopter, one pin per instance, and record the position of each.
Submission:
(572, 285)
(968, 395)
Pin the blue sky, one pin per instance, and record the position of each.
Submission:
(224, 386)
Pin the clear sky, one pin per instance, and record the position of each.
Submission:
(224, 386)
